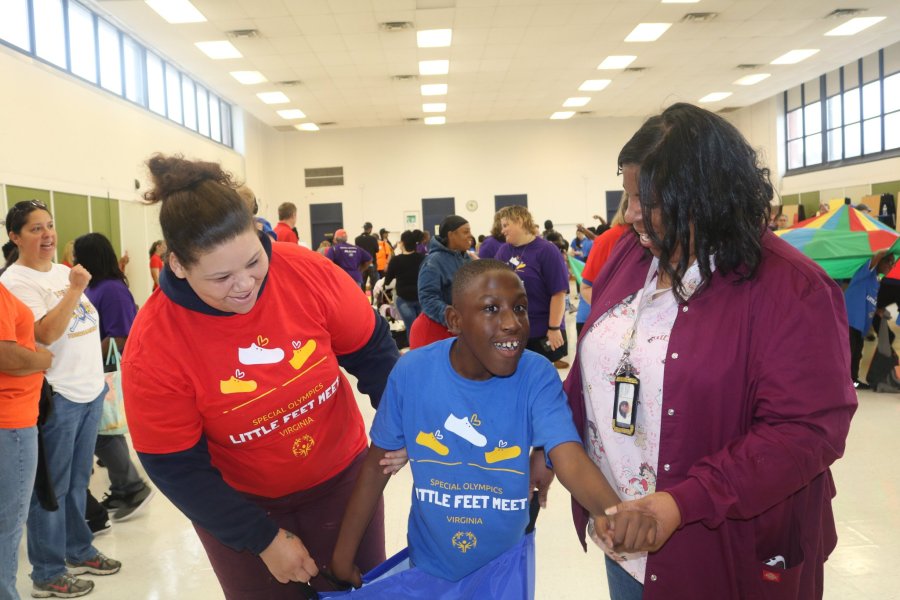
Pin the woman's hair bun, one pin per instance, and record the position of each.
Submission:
(172, 174)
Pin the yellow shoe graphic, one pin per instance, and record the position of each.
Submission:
(500, 454)
(237, 386)
(302, 354)
(429, 440)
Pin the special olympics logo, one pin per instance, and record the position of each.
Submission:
(464, 540)
(303, 445)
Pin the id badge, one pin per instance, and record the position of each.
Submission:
(625, 405)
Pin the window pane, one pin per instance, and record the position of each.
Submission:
(814, 149)
(156, 90)
(110, 58)
(49, 31)
(82, 50)
(892, 93)
(794, 124)
(173, 93)
(14, 23)
(872, 135)
(202, 111)
(813, 118)
(851, 106)
(215, 126)
(190, 103)
(834, 144)
(795, 154)
(872, 100)
(851, 141)
(892, 131)
(134, 71)
(834, 112)
(226, 125)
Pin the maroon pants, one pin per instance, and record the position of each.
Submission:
(314, 515)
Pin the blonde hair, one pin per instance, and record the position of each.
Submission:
(619, 218)
(517, 214)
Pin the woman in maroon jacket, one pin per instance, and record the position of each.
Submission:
(733, 347)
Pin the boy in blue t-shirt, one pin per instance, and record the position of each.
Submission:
(468, 410)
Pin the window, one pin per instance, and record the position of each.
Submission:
(133, 68)
(14, 23)
(156, 85)
(189, 103)
(173, 93)
(202, 111)
(82, 49)
(110, 57)
(50, 31)
(215, 125)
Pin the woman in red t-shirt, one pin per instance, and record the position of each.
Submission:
(157, 249)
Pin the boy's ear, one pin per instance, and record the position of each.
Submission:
(453, 319)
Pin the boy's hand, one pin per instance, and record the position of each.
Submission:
(288, 560)
(554, 338)
(630, 531)
(346, 571)
(393, 461)
(661, 508)
(540, 477)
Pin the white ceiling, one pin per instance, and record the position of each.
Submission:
(509, 60)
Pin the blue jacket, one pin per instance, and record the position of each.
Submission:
(436, 278)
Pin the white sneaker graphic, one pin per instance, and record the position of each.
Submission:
(464, 429)
(254, 355)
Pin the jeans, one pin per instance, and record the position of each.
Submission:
(409, 310)
(18, 464)
(622, 586)
(123, 477)
(69, 437)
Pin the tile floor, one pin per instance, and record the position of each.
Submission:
(163, 560)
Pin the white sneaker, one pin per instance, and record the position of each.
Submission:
(254, 355)
(465, 430)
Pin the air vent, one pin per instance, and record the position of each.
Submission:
(729, 109)
(289, 83)
(412, 119)
(395, 25)
(748, 67)
(635, 69)
(405, 77)
(840, 13)
(327, 124)
(243, 34)
(699, 17)
(324, 176)
(584, 113)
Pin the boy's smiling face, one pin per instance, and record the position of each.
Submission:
(491, 324)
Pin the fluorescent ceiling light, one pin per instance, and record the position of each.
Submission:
(435, 120)
(434, 89)
(752, 79)
(578, 101)
(714, 97)
(177, 11)
(564, 114)
(434, 38)
(306, 127)
(434, 107)
(794, 56)
(616, 62)
(291, 113)
(219, 49)
(647, 32)
(434, 67)
(594, 85)
(273, 97)
(249, 77)
(854, 26)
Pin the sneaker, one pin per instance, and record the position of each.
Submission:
(122, 508)
(64, 586)
(99, 565)
(99, 527)
(861, 386)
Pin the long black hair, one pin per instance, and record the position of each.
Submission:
(712, 195)
(95, 253)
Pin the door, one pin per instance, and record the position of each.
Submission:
(510, 200)
(434, 210)
(324, 220)
(613, 199)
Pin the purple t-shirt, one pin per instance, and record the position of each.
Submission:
(115, 305)
(542, 268)
(349, 258)
(489, 247)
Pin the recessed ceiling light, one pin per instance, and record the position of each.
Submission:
(647, 32)
(714, 97)
(578, 101)
(434, 67)
(434, 38)
(249, 77)
(594, 85)
(854, 26)
(219, 49)
(794, 56)
(616, 62)
(307, 127)
(752, 79)
(273, 97)
(435, 120)
(291, 113)
(434, 89)
(563, 114)
(434, 107)
(176, 11)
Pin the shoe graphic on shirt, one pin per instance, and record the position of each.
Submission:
(430, 441)
(237, 386)
(465, 430)
(302, 354)
(254, 355)
(502, 452)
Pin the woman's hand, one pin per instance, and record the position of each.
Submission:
(393, 461)
(554, 338)
(79, 278)
(288, 560)
(659, 506)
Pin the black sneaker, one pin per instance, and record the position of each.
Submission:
(861, 386)
(122, 508)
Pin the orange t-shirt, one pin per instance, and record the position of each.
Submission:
(18, 395)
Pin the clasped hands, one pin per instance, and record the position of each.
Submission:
(642, 525)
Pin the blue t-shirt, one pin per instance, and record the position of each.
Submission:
(468, 443)
(860, 297)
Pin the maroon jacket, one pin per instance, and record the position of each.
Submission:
(756, 405)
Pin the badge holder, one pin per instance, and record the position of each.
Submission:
(625, 404)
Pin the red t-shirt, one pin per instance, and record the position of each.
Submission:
(156, 263)
(265, 387)
(18, 395)
(600, 252)
(285, 233)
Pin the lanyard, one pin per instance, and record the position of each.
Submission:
(629, 340)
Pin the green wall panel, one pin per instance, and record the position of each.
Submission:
(17, 194)
(887, 187)
(105, 220)
(70, 214)
(810, 202)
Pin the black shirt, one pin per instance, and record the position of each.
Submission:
(367, 242)
(405, 269)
